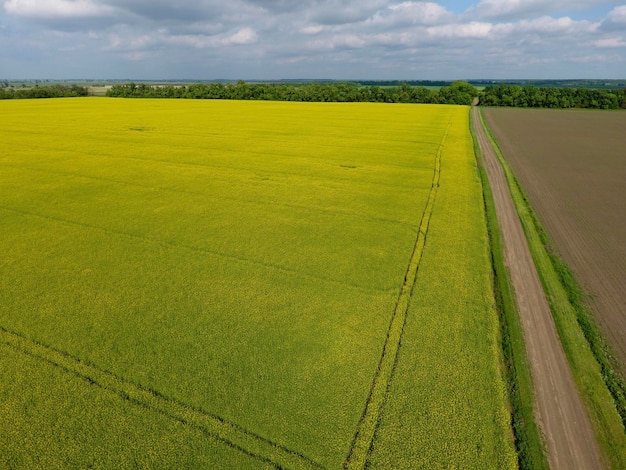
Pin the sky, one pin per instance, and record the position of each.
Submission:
(315, 39)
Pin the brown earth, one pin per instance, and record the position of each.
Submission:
(572, 166)
(560, 414)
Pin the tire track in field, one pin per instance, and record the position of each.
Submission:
(366, 428)
(216, 253)
(337, 149)
(214, 197)
(560, 413)
(231, 434)
(253, 169)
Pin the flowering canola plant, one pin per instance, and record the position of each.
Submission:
(250, 284)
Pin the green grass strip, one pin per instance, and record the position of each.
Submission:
(366, 429)
(231, 434)
(528, 442)
(593, 374)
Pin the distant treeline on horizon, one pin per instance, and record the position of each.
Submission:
(527, 96)
(459, 92)
(46, 91)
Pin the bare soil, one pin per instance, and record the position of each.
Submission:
(572, 166)
(560, 413)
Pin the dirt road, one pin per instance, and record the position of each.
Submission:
(561, 416)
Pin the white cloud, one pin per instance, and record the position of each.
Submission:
(313, 29)
(616, 19)
(618, 15)
(338, 41)
(613, 42)
(320, 38)
(417, 13)
(57, 9)
(517, 9)
(133, 43)
(243, 36)
(338, 12)
(549, 25)
(474, 29)
(129, 43)
(506, 8)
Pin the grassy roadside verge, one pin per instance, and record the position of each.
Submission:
(528, 442)
(600, 386)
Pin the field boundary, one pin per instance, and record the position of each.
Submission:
(528, 441)
(600, 404)
(368, 424)
(216, 427)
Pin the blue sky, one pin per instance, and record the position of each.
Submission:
(340, 39)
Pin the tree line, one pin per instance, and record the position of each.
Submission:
(529, 96)
(457, 93)
(47, 91)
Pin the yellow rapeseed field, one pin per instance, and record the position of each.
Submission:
(232, 284)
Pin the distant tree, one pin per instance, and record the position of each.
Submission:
(46, 91)
(421, 94)
(550, 97)
(457, 93)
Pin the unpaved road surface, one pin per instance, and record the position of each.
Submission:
(560, 413)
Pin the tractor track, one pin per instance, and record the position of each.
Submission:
(368, 424)
(229, 433)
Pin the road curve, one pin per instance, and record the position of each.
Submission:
(559, 411)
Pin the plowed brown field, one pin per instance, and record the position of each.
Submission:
(572, 166)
